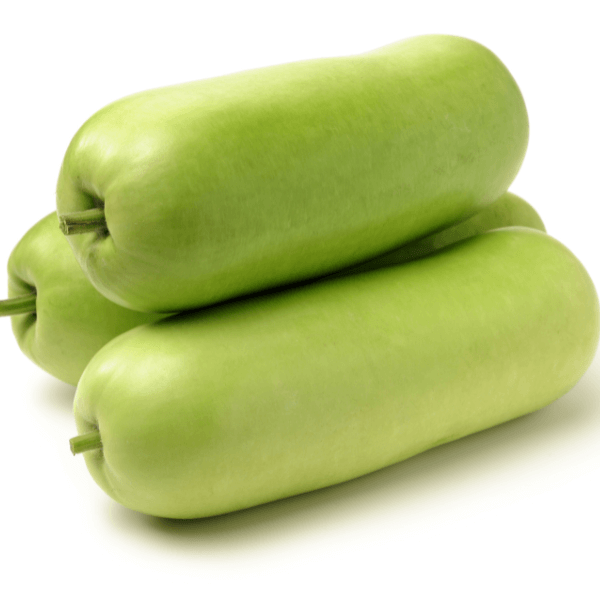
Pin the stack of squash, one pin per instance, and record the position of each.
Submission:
(282, 279)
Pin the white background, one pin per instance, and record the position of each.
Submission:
(508, 513)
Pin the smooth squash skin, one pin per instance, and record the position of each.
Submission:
(65, 320)
(213, 189)
(60, 321)
(509, 210)
(255, 400)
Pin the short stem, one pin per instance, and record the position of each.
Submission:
(85, 442)
(82, 221)
(19, 305)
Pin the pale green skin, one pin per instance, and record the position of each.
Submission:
(235, 184)
(256, 400)
(507, 211)
(72, 320)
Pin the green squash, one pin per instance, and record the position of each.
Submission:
(255, 400)
(59, 320)
(188, 195)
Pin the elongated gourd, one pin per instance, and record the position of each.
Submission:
(187, 195)
(59, 320)
(255, 400)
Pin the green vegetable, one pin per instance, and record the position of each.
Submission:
(192, 194)
(256, 400)
(508, 211)
(60, 321)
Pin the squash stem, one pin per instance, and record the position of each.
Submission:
(19, 305)
(83, 221)
(85, 442)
